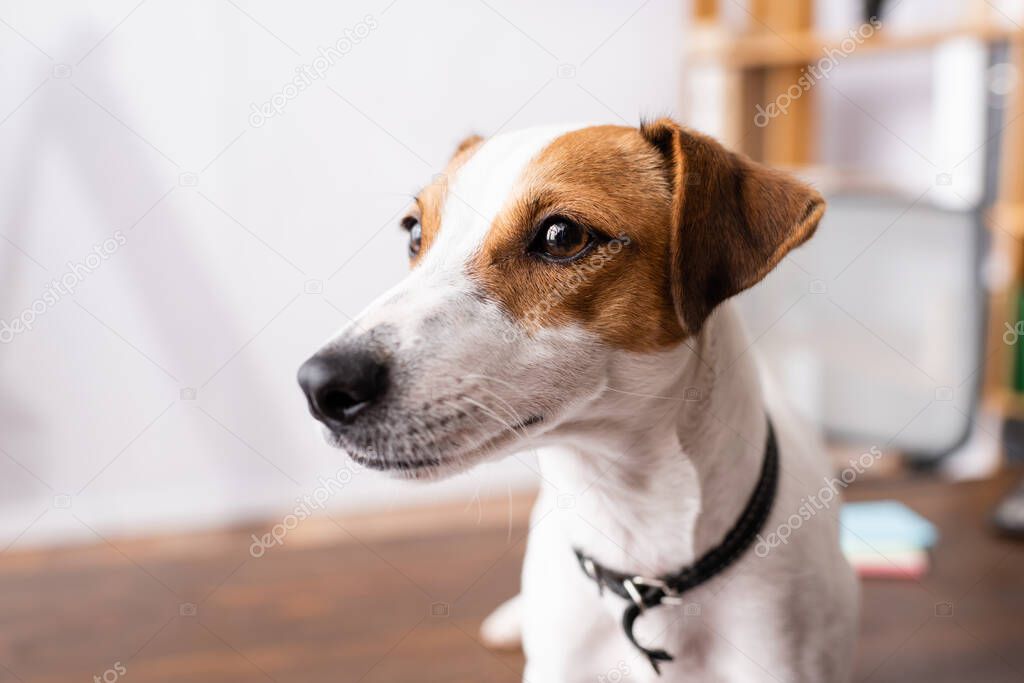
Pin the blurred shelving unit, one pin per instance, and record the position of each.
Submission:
(1006, 222)
(773, 47)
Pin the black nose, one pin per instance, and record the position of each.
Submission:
(340, 384)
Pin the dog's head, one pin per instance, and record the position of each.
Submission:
(538, 259)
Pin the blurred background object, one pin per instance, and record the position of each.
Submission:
(196, 194)
(886, 341)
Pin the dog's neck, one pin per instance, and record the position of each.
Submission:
(660, 465)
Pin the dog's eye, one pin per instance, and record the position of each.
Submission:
(411, 224)
(561, 239)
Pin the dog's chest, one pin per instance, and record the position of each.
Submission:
(608, 505)
(563, 606)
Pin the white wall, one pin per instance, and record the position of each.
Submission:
(110, 106)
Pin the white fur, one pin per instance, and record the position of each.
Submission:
(654, 480)
(477, 193)
(481, 188)
(658, 483)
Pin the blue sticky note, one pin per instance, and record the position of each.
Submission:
(884, 525)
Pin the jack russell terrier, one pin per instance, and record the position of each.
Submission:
(568, 295)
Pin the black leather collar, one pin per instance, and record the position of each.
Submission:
(645, 593)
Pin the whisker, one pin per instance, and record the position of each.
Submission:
(493, 379)
(633, 393)
(496, 417)
(506, 405)
(516, 454)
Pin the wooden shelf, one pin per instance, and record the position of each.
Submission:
(1006, 402)
(1008, 218)
(775, 49)
(766, 49)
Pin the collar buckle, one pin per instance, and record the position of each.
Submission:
(590, 569)
(669, 595)
(634, 594)
(645, 592)
(665, 595)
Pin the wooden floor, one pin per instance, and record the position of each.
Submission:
(392, 600)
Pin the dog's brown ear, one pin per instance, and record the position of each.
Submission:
(466, 145)
(733, 219)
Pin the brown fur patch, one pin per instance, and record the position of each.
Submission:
(733, 219)
(611, 180)
(690, 224)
